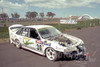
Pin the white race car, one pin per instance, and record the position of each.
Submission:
(46, 40)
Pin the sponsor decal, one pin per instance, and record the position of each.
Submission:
(39, 42)
(39, 47)
(42, 29)
(47, 43)
(26, 41)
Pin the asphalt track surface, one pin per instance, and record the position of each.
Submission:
(10, 56)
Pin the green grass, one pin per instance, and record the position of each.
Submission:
(81, 24)
(61, 27)
(4, 32)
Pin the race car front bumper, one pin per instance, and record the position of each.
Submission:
(75, 52)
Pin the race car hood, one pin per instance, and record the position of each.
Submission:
(75, 41)
(63, 39)
(66, 40)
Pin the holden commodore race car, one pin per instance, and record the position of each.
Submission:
(47, 40)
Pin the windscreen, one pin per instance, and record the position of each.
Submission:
(49, 32)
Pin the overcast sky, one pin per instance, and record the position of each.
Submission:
(62, 8)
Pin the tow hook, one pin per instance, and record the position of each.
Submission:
(87, 54)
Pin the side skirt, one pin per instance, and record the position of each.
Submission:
(37, 52)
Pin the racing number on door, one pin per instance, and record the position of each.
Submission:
(39, 47)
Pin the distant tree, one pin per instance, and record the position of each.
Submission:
(31, 14)
(42, 15)
(28, 15)
(50, 14)
(15, 15)
(4, 16)
(34, 14)
(12, 15)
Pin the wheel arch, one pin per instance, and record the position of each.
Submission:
(46, 49)
(17, 39)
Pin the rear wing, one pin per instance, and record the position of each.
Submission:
(15, 26)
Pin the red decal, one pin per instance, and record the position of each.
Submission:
(39, 42)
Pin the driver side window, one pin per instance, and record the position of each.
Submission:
(34, 34)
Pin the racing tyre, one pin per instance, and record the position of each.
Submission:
(18, 45)
(51, 54)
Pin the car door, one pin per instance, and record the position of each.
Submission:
(25, 39)
(32, 40)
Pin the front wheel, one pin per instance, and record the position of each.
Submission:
(51, 54)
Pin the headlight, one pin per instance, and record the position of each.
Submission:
(81, 48)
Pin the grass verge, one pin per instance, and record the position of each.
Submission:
(62, 27)
(4, 32)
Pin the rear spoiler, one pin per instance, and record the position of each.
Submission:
(15, 26)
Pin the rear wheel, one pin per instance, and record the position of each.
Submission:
(51, 54)
(17, 44)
